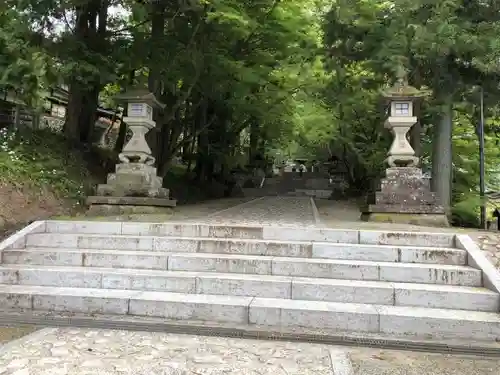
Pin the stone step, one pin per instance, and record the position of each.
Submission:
(350, 317)
(309, 289)
(248, 264)
(397, 320)
(347, 235)
(398, 294)
(383, 253)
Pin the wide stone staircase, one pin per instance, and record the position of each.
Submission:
(390, 283)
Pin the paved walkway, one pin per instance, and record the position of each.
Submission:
(289, 211)
(71, 351)
(106, 352)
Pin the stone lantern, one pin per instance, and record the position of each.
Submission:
(405, 195)
(401, 98)
(139, 120)
(135, 186)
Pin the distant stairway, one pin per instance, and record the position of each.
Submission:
(283, 278)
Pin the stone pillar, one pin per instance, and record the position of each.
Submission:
(405, 195)
(135, 186)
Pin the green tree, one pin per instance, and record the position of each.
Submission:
(447, 46)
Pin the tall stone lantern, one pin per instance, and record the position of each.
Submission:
(405, 195)
(135, 186)
(139, 119)
(401, 98)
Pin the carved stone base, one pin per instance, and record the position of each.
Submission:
(405, 197)
(133, 180)
(134, 188)
(103, 206)
(428, 220)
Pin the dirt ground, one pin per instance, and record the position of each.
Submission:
(367, 361)
(12, 333)
(21, 205)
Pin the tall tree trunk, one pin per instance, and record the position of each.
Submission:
(98, 43)
(122, 131)
(157, 33)
(200, 119)
(74, 108)
(254, 141)
(155, 85)
(416, 132)
(88, 116)
(442, 161)
(83, 97)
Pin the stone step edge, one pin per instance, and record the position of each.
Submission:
(239, 301)
(266, 286)
(246, 257)
(84, 223)
(247, 240)
(258, 311)
(359, 236)
(483, 348)
(251, 277)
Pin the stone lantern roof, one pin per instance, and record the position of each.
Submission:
(401, 90)
(139, 95)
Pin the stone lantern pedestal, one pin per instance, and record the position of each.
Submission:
(405, 194)
(135, 186)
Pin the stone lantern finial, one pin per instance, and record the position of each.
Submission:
(401, 89)
(402, 77)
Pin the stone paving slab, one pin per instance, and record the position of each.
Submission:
(61, 351)
(75, 351)
(296, 211)
(188, 212)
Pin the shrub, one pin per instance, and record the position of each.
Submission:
(466, 214)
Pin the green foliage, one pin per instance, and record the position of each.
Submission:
(446, 46)
(466, 213)
(41, 159)
(24, 67)
(297, 77)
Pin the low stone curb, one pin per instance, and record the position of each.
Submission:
(18, 239)
(475, 348)
(316, 215)
(477, 259)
